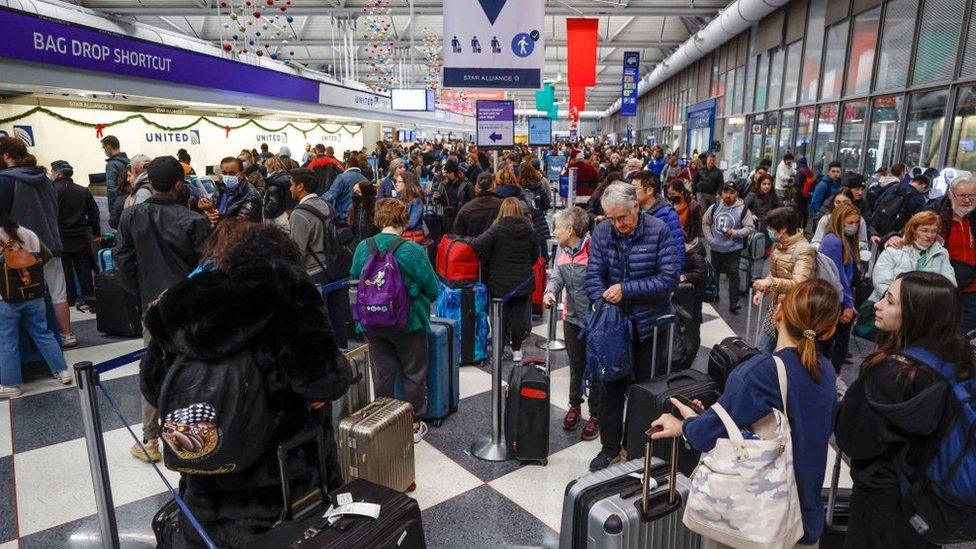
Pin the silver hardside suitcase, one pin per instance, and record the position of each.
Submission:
(376, 444)
(628, 506)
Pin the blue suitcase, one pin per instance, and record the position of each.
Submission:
(443, 371)
(105, 262)
(468, 305)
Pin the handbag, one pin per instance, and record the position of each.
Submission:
(743, 492)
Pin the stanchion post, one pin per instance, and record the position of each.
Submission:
(553, 343)
(571, 191)
(86, 379)
(493, 448)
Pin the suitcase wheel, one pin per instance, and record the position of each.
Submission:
(544, 462)
(412, 487)
(437, 422)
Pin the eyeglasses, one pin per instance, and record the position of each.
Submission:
(931, 231)
(964, 196)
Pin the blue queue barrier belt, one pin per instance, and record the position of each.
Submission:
(518, 288)
(119, 361)
(333, 286)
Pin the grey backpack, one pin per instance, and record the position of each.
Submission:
(825, 269)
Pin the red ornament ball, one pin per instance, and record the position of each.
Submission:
(283, 9)
(256, 14)
(227, 46)
(269, 2)
(223, 4)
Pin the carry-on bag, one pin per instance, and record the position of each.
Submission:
(725, 356)
(358, 394)
(468, 305)
(376, 444)
(527, 410)
(118, 311)
(539, 272)
(632, 505)
(457, 262)
(838, 505)
(443, 371)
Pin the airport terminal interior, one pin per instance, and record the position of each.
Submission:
(727, 122)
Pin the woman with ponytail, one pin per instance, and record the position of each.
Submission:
(894, 415)
(806, 315)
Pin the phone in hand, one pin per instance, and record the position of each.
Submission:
(684, 400)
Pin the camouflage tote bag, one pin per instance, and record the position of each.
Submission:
(743, 493)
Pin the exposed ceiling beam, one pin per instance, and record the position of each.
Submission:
(691, 24)
(706, 8)
(174, 26)
(621, 28)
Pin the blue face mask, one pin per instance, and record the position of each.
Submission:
(772, 235)
(230, 182)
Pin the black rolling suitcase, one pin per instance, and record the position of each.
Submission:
(725, 356)
(117, 309)
(527, 411)
(838, 505)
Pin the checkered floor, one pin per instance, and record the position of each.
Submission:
(46, 495)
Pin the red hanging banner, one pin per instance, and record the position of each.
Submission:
(581, 40)
(577, 101)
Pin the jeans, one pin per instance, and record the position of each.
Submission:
(968, 312)
(33, 317)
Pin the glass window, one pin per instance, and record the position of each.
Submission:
(852, 124)
(864, 41)
(962, 148)
(715, 80)
(969, 61)
(923, 131)
(826, 137)
(786, 133)
(896, 44)
(740, 81)
(769, 139)
(885, 116)
(791, 75)
(810, 81)
(735, 134)
(804, 131)
(776, 78)
(762, 74)
(756, 143)
(938, 40)
(750, 80)
(730, 91)
(836, 54)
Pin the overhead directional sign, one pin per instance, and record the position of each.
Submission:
(496, 124)
(494, 43)
(540, 131)
(628, 86)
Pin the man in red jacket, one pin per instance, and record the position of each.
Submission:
(325, 156)
(587, 178)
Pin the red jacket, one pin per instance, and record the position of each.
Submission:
(323, 161)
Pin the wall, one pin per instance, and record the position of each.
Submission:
(60, 140)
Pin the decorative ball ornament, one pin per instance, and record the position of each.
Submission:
(257, 14)
(260, 53)
(289, 18)
(227, 46)
(233, 16)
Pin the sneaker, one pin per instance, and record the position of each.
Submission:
(734, 309)
(591, 430)
(517, 356)
(65, 376)
(9, 393)
(603, 460)
(572, 419)
(151, 455)
(419, 432)
(69, 340)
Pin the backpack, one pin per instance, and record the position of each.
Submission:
(325, 175)
(23, 273)
(711, 293)
(456, 260)
(808, 185)
(381, 299)
(875, 192)
(887, 216)
(941, 502)
(824, 269)
(609, 334)
(215, 414)
(338, 255)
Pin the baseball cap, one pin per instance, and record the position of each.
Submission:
(729, 186)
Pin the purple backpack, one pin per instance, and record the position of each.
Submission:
(382, 297)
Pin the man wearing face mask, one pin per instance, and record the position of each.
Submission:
(254, 172)
(236, 197)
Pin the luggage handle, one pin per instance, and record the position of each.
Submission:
(669, 321)
(303, 439)
(673, 502)
(832, 493)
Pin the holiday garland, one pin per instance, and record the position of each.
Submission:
(227, 128)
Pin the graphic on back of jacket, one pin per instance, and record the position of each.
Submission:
(192, 432)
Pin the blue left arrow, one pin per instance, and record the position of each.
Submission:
(495, 137)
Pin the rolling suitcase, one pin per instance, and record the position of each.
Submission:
(527, 411)
(628, 506)
(117, 310)
(443, 371)
(725, 356)
(468, 305)
(376, 444)
(358, 394)
(539, 272)
(838, 505)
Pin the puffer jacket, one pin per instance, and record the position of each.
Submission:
(277, 315)
(665, 212)
(644, 262)
(541, 203)
(244, 201)
(570, 275)
(893, 262)
(784, 272)
(277, 197)
(510, 251)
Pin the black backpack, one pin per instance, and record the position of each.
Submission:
(887, 216)
(325, 175)
(875, 193)
(215, 414)
(337, 252)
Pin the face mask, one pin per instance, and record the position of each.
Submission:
(230, 182)
(357, 198)
(850, 231)
(923, 246)
(772, 235)
(674, 199)
(246, 164)
(962, 211)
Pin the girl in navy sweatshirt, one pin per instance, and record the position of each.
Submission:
(807, 314)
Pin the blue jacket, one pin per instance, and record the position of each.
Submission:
(656, 165)
(645, 263)
(415, 213)
(340, 193)
(833, 248)
(508, 191)
(387, 188)
(824, 189)
(664, 211)
(752, 391)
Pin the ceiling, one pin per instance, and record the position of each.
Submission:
(653, 27)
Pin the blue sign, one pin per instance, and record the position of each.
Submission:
(523, 44)
(628, 86)
(540, 131)
(563, 186)
(573, 135)
(555, 165)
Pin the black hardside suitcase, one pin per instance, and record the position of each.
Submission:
(647, 400)
(725, 356)
(527, 411)
(117, 309)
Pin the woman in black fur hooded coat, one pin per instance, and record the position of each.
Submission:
(256, 296)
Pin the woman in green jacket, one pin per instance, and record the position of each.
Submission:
(401, 353)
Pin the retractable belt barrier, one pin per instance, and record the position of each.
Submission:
(87, 378)
(333, 286)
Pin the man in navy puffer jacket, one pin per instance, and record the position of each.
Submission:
(633, 263)
(649, 199)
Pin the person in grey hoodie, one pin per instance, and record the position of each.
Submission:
(115, 164)
(727, 226)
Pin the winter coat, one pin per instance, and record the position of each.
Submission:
(273, 310)
(692, 225)
(862, 233)
(387, 188)
(784, 176)
(665, 212)
(893, 262)
(28, 198)
(453, 195)
(256, 176)
(541, 204)
(309, 234)
(508, 191)
(78, 217)
(114, 166)
(656, 165)
(360, 220)
(159, 242)
(510, 251)
(693, 270)
(824, 189)
(474, 170)
(243, 202)
(476, 216)
(645, 264)
(115, 213)
(762, 204)
(708, 181)
(340, 193)
(833, 248)
(791, 262)
(277, 197)
(570, 274)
